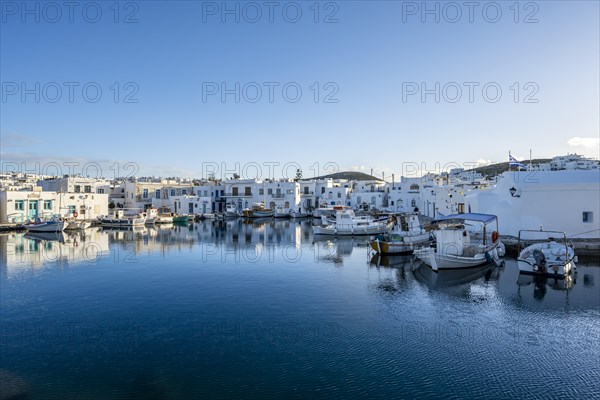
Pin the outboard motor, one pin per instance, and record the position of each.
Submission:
(540, 261)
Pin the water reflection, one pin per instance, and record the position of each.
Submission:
(447, 278)
(239, 241)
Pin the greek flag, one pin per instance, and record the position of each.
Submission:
(513, 162)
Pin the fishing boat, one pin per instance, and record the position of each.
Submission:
(462, 241)
(231, 211)
(258, 210)
(348, 224)
(120, 220)
(51, 225)
(546, 256)
(406, 235)
(281, 212)
(327, 211)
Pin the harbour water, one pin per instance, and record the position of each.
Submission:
(266, 310)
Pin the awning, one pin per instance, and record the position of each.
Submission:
(485, 218)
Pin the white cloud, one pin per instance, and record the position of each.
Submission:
(483, 162)
(590, 143)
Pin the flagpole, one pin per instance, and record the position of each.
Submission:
(509, 161)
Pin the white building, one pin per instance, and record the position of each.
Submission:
(565, 201)
(19, 206)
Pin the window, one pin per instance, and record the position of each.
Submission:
(413, 203)
(269, 191)
(206, 193)
(588, 217)
(145, 193)
(47, 204)
(100, 191)
(339, 195)
(322, 190)
(184, 191)
(290, 191)
(19, 205)
(157, 193)
(305, 189)
(261, 191)
(77, 189)
(87, 189)
(172, 192)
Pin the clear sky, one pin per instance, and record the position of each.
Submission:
(162, 67)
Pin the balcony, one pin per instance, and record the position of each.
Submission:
(249, 194)
(277, 195)
(307, 194)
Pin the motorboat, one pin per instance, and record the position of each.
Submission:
(39, 225)
(347, 223)
(119, 219)
(462, 241)
(406, 235)
(548, 255)
(231, 211)
(258, 210)
(281, 212)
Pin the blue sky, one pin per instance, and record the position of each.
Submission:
(369, 61)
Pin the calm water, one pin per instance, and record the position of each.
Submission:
(262, 310)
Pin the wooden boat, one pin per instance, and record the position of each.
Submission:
(406, 236)
(38, 225)
(457, 247)
(258, 210)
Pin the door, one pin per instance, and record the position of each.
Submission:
(33, 209)
(191, 208)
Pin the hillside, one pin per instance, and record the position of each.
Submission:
(496, 169)
(349, 175)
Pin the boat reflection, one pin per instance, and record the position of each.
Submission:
(407, 262)
(457, 277)
(46, 236)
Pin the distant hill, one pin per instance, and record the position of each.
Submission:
(497, 169)
(349, 175)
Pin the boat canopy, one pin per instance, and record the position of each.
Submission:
(485, 218)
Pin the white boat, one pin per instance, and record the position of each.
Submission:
(298, 214)
(119, 219)
(547, 257)
(406, 236)
(281, 212)
(38, 225)
(457, 245)
(164, 218)
(327, 211)
(258, 210)
(231, 211)
(347, 223)
(77, 225)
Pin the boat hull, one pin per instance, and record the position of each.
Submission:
(257, 214)
(122, 222)
(50, 226)
(393, 247)
(352, 231)
(447, 262)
